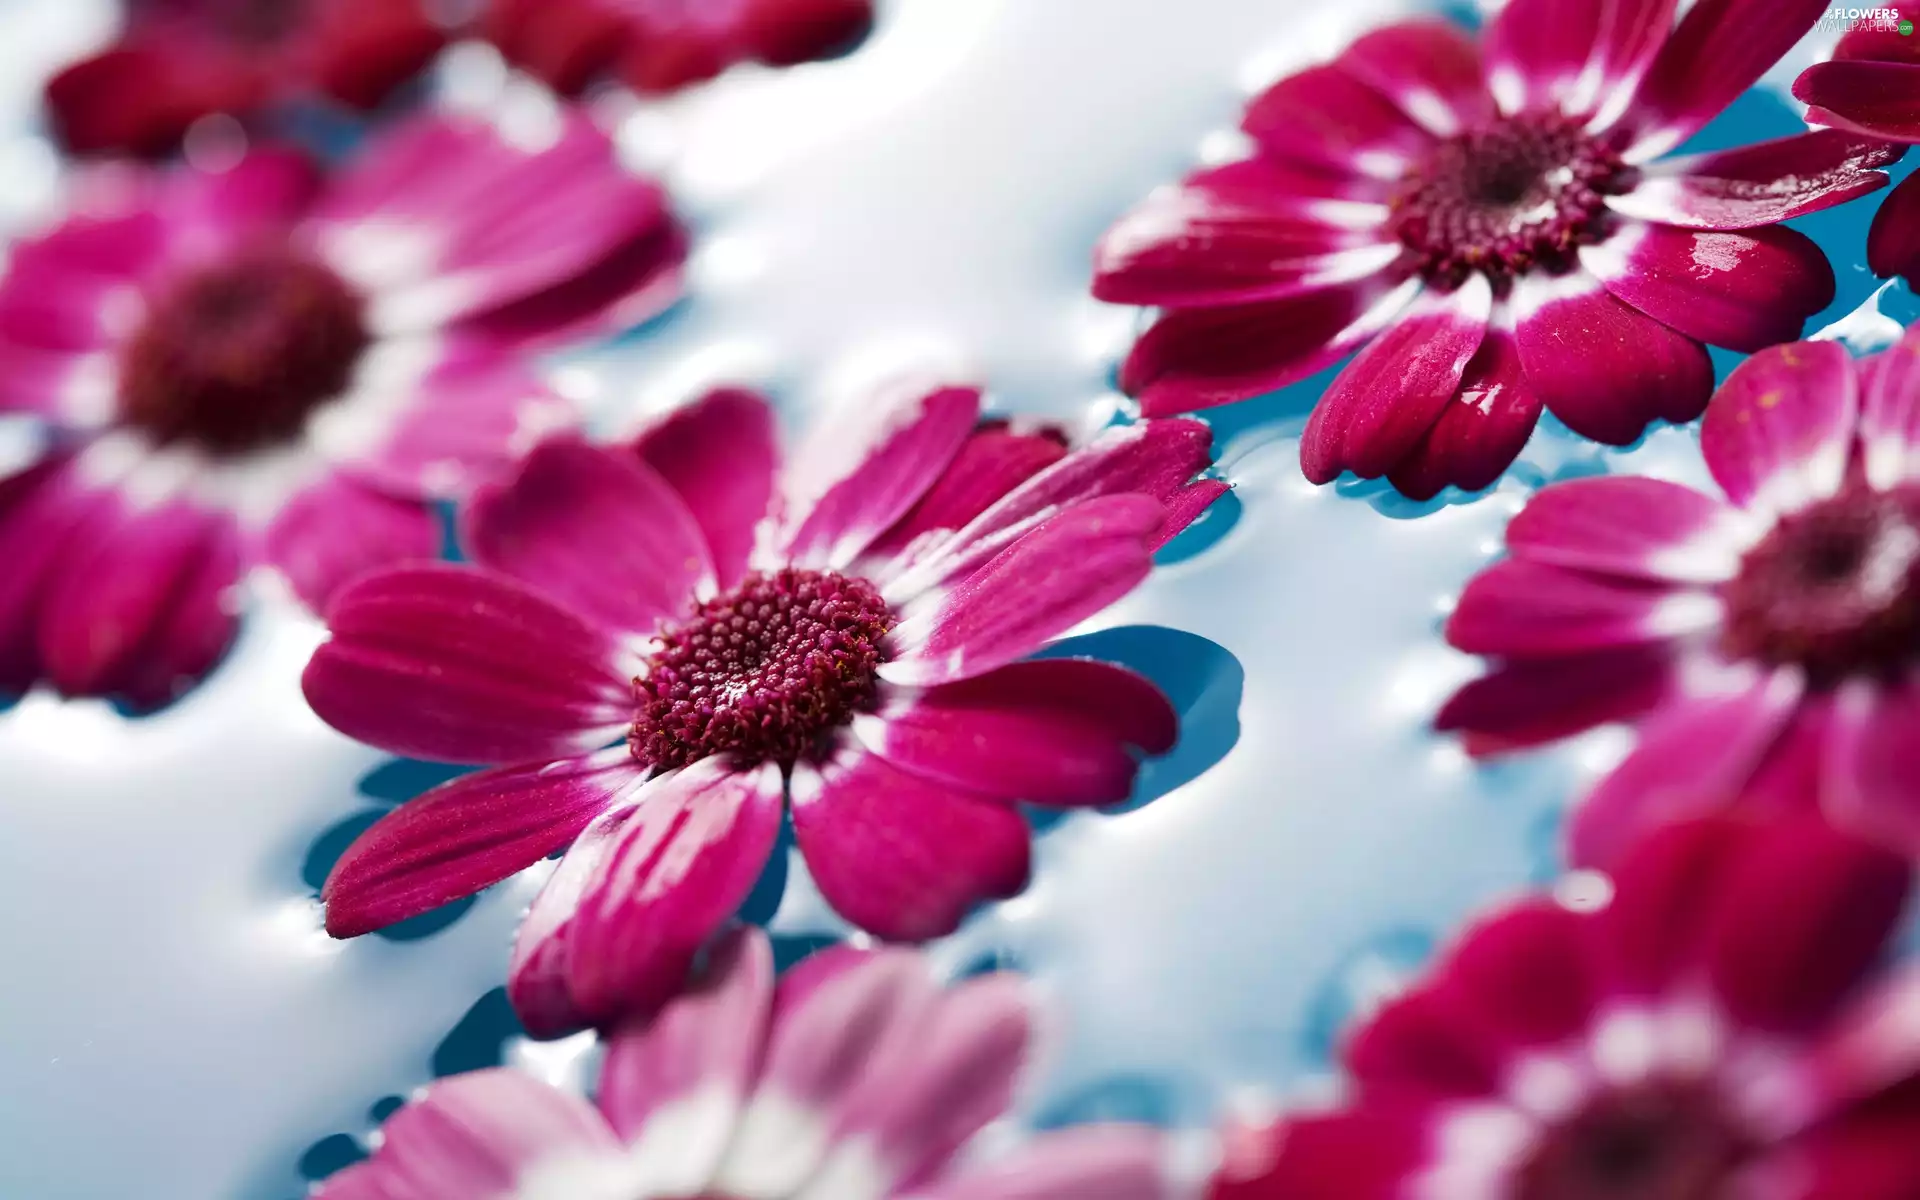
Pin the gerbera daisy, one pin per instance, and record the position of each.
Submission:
(668, 642)
(855, 1077)
(177, 61)
(1488, 226)
(1871, 87)
(663, 45)
(1719, 1029)
(268, 365)
(1774, 637)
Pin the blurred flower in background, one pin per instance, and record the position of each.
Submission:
(177, 61)
(270, 364)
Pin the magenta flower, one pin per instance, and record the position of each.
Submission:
(1715, 1031)
(1769, 643)
(1488, 227)
(845, 635)
(665, 45)
(1872, 88)
(265, 366)
(856, 1077)
(180, 60)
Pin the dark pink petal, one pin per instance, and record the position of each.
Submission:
(1199, 358)
(1890, 414)
(1784, 958)
(1743, 290)
(140, 96)
(1528, 975)
(476, 1135)
(263, 195)
(1427, 66)
(850, 483)
(457, 665)
(1872, 776)
(1871, 1045)
(1366, 1153)
(1524, 608)
(675, 1085)
(361, 1181)
(337, 530)
(1720, 49)
(1199, 246)
(1893, 241)
(720, 453)
(566, 44)
(1759, 184)
(683, 863)
(1879, 41)
(992, 464)
(1050, 732)
(538, 972)
(1536, 52)
(1601, 366)
(898, 855)
(1422, 1043)
(1066, 570)
(148, 591)
(628, 285)
(1869, 1153)
(596, 530)
(1693, 757)
(416, 164)
(42, 509)
(1873, 99)
(58, 387)
(1481, 429)
(1664, 891)
(467, 835)
(1324, 117)
(1088, 1162)
(362, 50)
(1381, 406)
(1535, 701)
(1628, 526)
(1780, 429)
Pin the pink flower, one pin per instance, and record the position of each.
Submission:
(1717, 1030)
(1769, 643)
(265, 366)
(844, 635)
(855, 1077)
(1872, 88)
(180, 60)
(1488, 227)
(665, 45)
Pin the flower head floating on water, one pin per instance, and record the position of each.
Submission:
(264, 365)
(664, 45)
(180, 60)
(1718, 1029)
(1871, 87)
(660, 669)
(1488, 227)
(855, 1077)
(1773, 637)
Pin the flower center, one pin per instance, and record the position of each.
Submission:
(236, 355)
(1509, 196)
(764, 671)
(1652, 1143)
(1834, 589)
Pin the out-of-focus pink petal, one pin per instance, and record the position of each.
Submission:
(1199, 358)
(1872, 774)
(361, 1181)
(360, 51)
(1050, 731)
(457, 665)
(898, 855)
(1867, 1154)
(1720, 49)
(564, 43)
(851, 481)
(1520, 607)
(1871, 1045)
(720, 453)
(1893, 241)
(1602, 367)
(1628, 526)
(41, 510)
(788, 32)
(1385, 401)
(628, 285)
(595, 529)
(1692, 758)
(1429, 67)
(1422, 1043)
(1481, 429)
(1780, 429)
(1784, 958)
(1536, 52)
(1873, 99)
(1066, 570)
(538, 983)
(263, 194)
(139, 97)
(475, 1136)
(467, 835)
(1759, 184)
(1528, 975)
(1890, 414)
(1325, 117)
(1652, 931)
(1362, 1154)
(1745, 290)
(683, 863)
(1089, 1162)
(337, 530)
(1530, 702)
